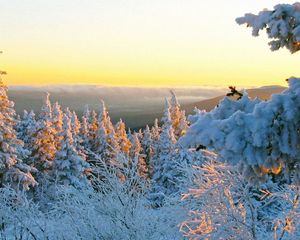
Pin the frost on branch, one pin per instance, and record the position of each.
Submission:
(282, 25)
(259, 137)
(223, 205)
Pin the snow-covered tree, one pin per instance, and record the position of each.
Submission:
(183, 124)
(223, 205)
(102, 146)
(57, 121)
(57, 117)
(121, 137)
(167, 137)
(135, 153)
(105, 143)
(93, 126)
(84, 133)
(12, 170)
(260, 137)
(87, 113)
(155, 131)
(162, 159)
(178, 117)
(43, 145)
(27, 127)
(147, 149)
(282, 24)
(113, 146)
(69, 167)
(75, 123)
(46, 110)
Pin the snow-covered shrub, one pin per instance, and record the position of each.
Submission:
(223, 205)
(259, 137)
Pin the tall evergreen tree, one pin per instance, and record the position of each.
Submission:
(135, 153)
(43, 145)
(113, 146)
(121, 137)
(178, 117)
(93, 126)
(163, 160)
(84, 133)
(57, 121)
(12, 170)
(69, 167)
(101, 131)
(147, 149)
(155, 133)
(27, 128)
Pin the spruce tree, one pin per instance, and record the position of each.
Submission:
(43, 145)
(163, 160)
(147, 149)
(178, 117)
(121, 137)
(69, 167)
(135, 153)
(12, 170)
(57, 121)
(27, 128)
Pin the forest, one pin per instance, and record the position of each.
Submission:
(230, 173)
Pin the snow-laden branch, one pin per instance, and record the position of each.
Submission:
(282, 25)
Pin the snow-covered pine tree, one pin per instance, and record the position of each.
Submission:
(162, 177)
(57, 117)
(113, 146)
(84, 133)
(19, 125)
(77, 138)
(43, 145)
(93, 126)
(57, 121)
(12, 170)
(26, 128)
(75, 123)
(69, 167)
(167, 138)
(135, 153)
(100, 146)
(147, 149)
(68, 112)
(46, 110)
(175, 114)
(121, 137)
(183, 124)
(178, 117)
(25, 132)
(87, 113)
(155, 133)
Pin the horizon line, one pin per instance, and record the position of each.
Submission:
(202, 86)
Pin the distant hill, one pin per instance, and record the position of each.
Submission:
(208, 104)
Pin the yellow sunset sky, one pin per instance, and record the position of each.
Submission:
(138, 43)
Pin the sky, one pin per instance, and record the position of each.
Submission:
(138, 43)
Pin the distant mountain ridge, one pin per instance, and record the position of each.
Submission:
(136, 106)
